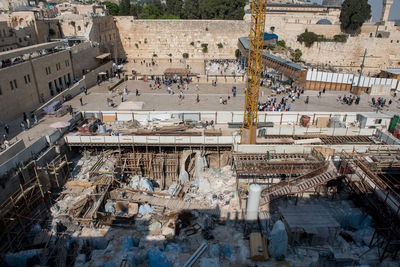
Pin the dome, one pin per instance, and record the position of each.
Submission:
(324, 22)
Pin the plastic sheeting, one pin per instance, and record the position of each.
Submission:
(278, 241)
(157, 258)
(20, 259)
(146, 208)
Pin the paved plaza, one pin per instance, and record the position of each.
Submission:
(160, 100)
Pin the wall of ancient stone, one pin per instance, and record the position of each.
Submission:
(172, 38)
(143, 38)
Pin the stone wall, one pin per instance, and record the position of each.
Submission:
(143, 38)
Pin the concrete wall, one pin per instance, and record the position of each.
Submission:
(12, 151)
(42, 78)
(223, 117)
(24, 156)
(91, 77)
(306, 148)
(87, 52)
(23, 97)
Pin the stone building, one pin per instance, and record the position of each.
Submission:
(32, 75)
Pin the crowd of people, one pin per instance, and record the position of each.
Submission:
(223, 67)
(285, 103)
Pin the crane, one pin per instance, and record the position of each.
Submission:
(256, 43)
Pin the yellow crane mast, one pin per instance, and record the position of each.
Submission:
(256, 43)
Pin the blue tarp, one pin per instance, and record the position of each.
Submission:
(157, 258)
(52, 107)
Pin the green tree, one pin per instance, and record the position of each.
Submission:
(113, 8)
(282, 43)
(124, 7)
(192, 9)
(297, 54)
(151, 12)
(175, 7)
(353, 14)
(185, 55)
(136, 9)
(308, 38)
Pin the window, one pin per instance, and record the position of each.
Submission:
(27, 79)
(1, 91)
(79, 28)
(58, 66)
(13, 84)
(48, 70)
(67, 63)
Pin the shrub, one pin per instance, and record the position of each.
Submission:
(220, 45)
(342, 38)
(297, 54)
(155, 55)
(282, 43)
(237, 53)
(170, 54)
(308, 38)
(205, 47)
(137, 46)
(192, 43)
(270, 47)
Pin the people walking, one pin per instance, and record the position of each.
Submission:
(81, 101)
(198, 98)
(22, 125)
(7, 129)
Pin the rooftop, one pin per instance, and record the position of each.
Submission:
(392, 71)
(245, 42)
(28, 50)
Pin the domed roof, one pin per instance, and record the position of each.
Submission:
(324, 22)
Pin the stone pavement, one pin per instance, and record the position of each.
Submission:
(159, 99)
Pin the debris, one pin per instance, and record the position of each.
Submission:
(157, 258)
(192, 260)
(146, 208)
(278, 241)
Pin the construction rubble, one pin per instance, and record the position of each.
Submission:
(166, 209)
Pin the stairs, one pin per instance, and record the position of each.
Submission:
(297, 186)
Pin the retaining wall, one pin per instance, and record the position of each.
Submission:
(11, 151)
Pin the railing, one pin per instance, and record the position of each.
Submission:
(151, 140)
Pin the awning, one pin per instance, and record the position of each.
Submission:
(103, 56)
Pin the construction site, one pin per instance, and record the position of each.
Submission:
(170, 189)
(143, 187)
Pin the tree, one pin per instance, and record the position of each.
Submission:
(185, 55)
(282, 43)
(308, 38)
(124, 7)
(151, 12)
(191, 9)
(297, 54)
(113, 8)
(175, 7)
(354, 13)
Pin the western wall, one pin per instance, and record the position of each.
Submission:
(171, 38)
